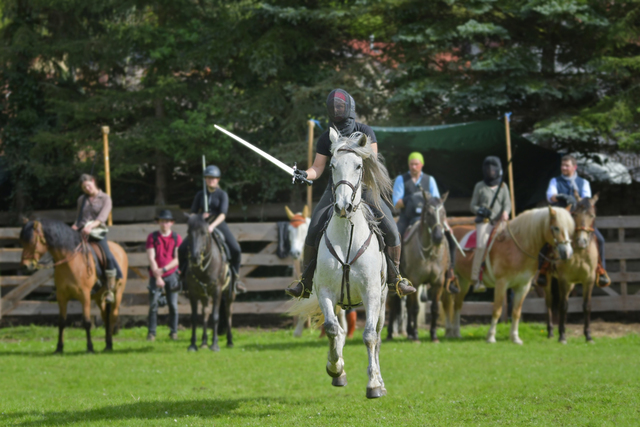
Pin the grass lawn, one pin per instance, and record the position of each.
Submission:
(270, 378)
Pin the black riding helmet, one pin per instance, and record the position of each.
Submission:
(492, 171)
(212, 171)
(341, 109)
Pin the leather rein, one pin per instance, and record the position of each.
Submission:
(40, 238)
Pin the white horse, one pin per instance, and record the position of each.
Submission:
(351, 268)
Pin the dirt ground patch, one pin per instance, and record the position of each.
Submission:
(600, 328)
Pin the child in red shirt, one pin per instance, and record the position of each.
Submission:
(162, 252)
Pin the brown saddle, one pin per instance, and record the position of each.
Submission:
(100, 259)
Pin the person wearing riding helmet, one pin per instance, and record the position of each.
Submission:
(94, 207)
(218, 201)
(341, 109)
(486, 213)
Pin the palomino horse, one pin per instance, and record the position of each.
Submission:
(74, 273)
(581, 268)
(511, 263)
(425, 260)
(351, 267)
(298, 229)
(207, 277)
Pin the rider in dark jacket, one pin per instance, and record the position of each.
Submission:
(342, 116)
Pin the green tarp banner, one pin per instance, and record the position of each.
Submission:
(453, 155)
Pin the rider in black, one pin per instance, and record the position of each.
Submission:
(342, 116)
(218, 202)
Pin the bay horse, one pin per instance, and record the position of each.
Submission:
(580, 268)
(208, 277)
(425, 260)
(74, 273)
(351, 266)
(511, 262)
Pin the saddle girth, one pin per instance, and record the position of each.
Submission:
(346, 266)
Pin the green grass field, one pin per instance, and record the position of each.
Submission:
(270, 378)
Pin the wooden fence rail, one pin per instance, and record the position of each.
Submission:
(17, 288)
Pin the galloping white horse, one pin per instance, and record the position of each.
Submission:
(351, 268)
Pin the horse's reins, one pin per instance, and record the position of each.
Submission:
(40, 238)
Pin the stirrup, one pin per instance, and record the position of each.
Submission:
(396, 286)
(305, 293)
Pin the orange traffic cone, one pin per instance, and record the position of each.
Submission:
(352, 316)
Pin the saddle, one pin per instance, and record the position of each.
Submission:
(470, 241)
(100, 261)
(218, 237)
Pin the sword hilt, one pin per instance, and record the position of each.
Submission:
(293, 179)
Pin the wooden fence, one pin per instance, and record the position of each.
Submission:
(622, 254)
(135, 300)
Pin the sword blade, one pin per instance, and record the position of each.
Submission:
(255, 149)
(455, 240)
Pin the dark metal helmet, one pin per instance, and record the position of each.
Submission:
(492, 170)
(340, 106)
(212, 171)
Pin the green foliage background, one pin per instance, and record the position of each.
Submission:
(161, 73)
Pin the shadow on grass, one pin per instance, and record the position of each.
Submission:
(156, 410)
(320, 342)
(75, 353)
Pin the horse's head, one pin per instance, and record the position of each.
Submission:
(434, 216)
(34, 245)
(347, 172)
(584, 217)
(561, 227)
(298, 229)
(198, 236)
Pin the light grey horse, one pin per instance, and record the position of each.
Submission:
(351, 267)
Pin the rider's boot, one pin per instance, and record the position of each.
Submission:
(395, 281)
(111, 285)
(603, 277)
(238, 286)
(303, 287)
(543, 272)
(452, 280)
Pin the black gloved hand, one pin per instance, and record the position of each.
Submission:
(484, 212)
(300, 176)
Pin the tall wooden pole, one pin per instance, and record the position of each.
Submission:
(311, 125)
(511, 189)
(107, 175)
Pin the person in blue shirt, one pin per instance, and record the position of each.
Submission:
(561, 192)
(404, 188)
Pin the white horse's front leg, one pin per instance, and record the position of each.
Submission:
(371, 338)
(519, 294)
(336, 335)
(381, 318)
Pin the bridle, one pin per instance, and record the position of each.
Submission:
(205, 259)
(39, 237)
(354, 188)
(431, 230)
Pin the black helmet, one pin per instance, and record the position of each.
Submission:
(212, 171)
(492, 170)
(341, 109)
(165, 214)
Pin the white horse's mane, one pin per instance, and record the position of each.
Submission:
(375, 175)
(529, 222)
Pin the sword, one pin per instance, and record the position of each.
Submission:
(281, 165)
(204, 186)
(454, 239)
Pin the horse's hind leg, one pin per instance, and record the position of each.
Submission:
(62, 321)
(336, 335)
(194, 323)
(499, 294)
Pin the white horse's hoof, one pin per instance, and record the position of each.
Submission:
(374, 393)
(491, 340)
(340, 381)
(517, 341)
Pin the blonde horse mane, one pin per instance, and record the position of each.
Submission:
(375, 175)
(528, 223)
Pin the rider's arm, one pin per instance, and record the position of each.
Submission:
(552, 190)
(433, 188)
(398, 193)
(475, 199)
(317, 168)
(506, 204)
(104, 212)
(224, 208)
(586, 190)
(374, 147)
(174, 262)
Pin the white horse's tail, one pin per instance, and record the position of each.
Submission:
(309, 307)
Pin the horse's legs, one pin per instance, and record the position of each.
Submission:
(299, 326)
(229, 314)
(519, 295)
(435, 309)
(86, 319)
(194, 323)
(62, 321)
(394, 312)
(548, 299)
(215, 315)
(564, 289)
(372, 307)
(499, 294)
(379, 328)
(457, 306)
(586, 308)
(412, 316)
(336, 336)
(205, 336)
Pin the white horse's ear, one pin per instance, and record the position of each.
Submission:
(333, 135)
(363, 140)
(444, 198)
(305, 211)
(552, 213)
(289, 213)
(594, 199)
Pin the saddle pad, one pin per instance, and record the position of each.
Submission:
(469, 240)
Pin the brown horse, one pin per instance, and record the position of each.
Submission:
(511, 263)
(581, 268)
(425, 260)
(74, 273)
(207, 276)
